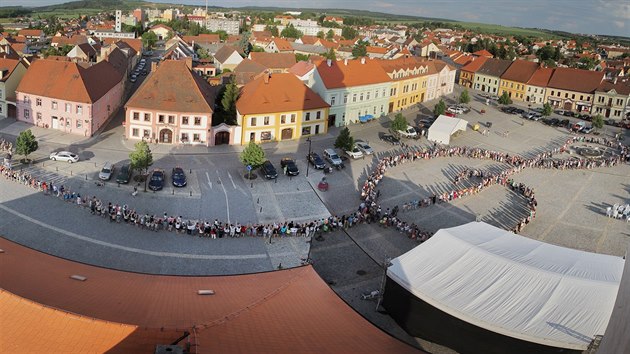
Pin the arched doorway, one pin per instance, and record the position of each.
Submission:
(287, 133)
(222, 138)
(568, 105)
(166, 136)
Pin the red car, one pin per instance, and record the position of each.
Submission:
(450, 114)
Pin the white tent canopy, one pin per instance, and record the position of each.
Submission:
(443, 127)
(513, 285)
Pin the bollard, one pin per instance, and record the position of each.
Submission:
(252, 186)
(258, 201)
(95, 164)
(190, 170)
(57, 169)
(118, 184)
(86, 177)
(173, 191)
(70, 172)
(261, 209)
(191, 193)
(42, 164)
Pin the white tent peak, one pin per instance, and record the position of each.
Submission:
(443, 127)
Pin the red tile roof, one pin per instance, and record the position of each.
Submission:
(134, 43)
(7, 65)
(576, 80)
(273, 60)
(173, 87)
(355, 73)
(69, 81)
(541, 77)
(483, 53)
(520, 71)
(474, 65)
(31, 32)
(283, 45)
(277, 312)
(301, 68)
(621, 87)
(277, 93)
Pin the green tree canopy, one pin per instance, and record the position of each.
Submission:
(439, 109)
(348, 32)
(359, 49)
(273, 29)
(26, 143)
(464, 97)
(253, 155)
(330, 54)
(399, 123)
(228, 102)
(344, 140)
(149, 39)
(598, 121)
(320, 34)
(141, 157)
(291, 32)
(505, 98)
(330, 35)
(301, 57)
(546, 111)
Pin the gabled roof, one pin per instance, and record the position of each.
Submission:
(87, 49)
(118, 60)
(301, 68)
(69, 81)
(173, 87)
(520, 71)
(475, 64)
(576, 80)
(160, 25)
(202, 38)
(621, 87)
(134, 43)
(404, 63)
(8, 65)
(277, 93)
(247, 71)
(494, 67)
(273, 60)
(357, 72)
(31, 32)
(376, 50)
(541, 77)
(74, 40)
(282, 44)
(483, 53)
(224, 53)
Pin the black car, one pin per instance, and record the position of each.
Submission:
(554, 122)
(268, 170)
(156, 180)
(289, 166)
(316, 161)
(124, 174)
(546, 121)
(610, 122)
(568, 114)
(179, 177)
(585, 117)
(390, 139)
(563, 123)
(518, 111)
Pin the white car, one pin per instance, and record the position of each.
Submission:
(365, 148)
(64, 156)
(410, 132)
(355, 153)
(455, 110)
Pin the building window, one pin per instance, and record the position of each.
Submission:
(68, 122)
(197, 120)
(184, 137)
(27, 99)
(38, 101)
(293, 118)
(332, 100)
(135, 132)
(306, 130)
(78, 123)
(318, 115)
(160, 118)
(367, 96)
(376, 94)
(308, 116)
(384, 92)
(54, 105)
(147, 117)
(38, 115)
(27, 113)
(265, 136)
(265, 121)
(283, 119)
(68, 108)
(79, 109)
(361, 97)
(184, 120)
(171, 119)
(345, 98)
(196, 138)
(354, 97)
(136, 116)
(252, 122)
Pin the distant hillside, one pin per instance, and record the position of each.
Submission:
(87, 4)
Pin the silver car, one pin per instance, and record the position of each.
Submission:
(64, 156)
(367, 149)
(106, 171)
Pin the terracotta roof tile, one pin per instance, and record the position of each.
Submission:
(276, 312)
(173, 87)
(541, 77)
(301, 68)
(31, 32)
(69, 81)
(376, 50)
(224, 53)
(7, 65)
(520, 71)
(621, 87)
(134, 43)
(483, 53)
(576, 80)
(278, 93)
(273, 60)
(282, 44)
(474, 65)
(353, 74)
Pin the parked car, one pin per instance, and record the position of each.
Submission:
(455, 110)
(560, 112)
(316, 161)
(527, 115)
(332, 157)
(568, 114)
(179, 177)
(410, 132)
(148, 53)
(450, 114)
(390, 139)
(564, 123)
(536, 117)
(156, 180)
(289, 166)
(554, 122)
(268, 170)
(355, 153)
(587, 129)
(64, 156)
(610, 122)
(578, 127)
(365, 148)
(585, 117)
(124, 174)
(106, 171)
(426, 123)
(465, 109)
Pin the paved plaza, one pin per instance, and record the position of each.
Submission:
(570, 213)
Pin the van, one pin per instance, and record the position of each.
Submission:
(106, 171)
(332, 157)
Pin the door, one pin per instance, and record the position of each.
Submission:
(568, 105)
(222, 138)
(331, 119)
(166, 136)
(55, 123)
(391, 107)
(317, 129)
(287, 134)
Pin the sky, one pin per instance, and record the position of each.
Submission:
(610, 17)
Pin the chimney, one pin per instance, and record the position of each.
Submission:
(266, 77)
(329, 62)
(345, 62)
(153, 66)
(363, 60)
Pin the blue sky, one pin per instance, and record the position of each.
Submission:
(578, 16)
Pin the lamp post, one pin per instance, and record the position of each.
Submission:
(146, 167)
(309, 155)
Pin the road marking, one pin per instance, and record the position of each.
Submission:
(131, 249)
(231, 180)
(209, 182)
(227, 202)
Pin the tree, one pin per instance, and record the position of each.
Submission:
(546, 111)
(148, 39)
(464, 97)
(320, 34)
(344, 141)
(505, 98)
(598, 122)
(291, 32)
(301, 57)
(359, 49)
(273, 29)
(228, 102)
(399, 123)
(26, 143)
(253, 155)
(141, 158)
(330, 55)
(439, 109)
(349, 32)
(330, 35)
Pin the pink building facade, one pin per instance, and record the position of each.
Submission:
(168, 127)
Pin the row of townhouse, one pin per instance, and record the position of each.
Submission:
(563, 88)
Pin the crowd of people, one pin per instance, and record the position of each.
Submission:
(6, 146)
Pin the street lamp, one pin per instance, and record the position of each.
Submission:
(309, 155)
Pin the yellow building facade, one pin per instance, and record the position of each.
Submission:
(516, 90)
(409, 82)
(279, 126)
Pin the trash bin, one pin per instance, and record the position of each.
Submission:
(476, 127)
(489, 124)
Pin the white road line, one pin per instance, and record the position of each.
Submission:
(209, 182)
(131, 249)
(227, 202)
(231, 180)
